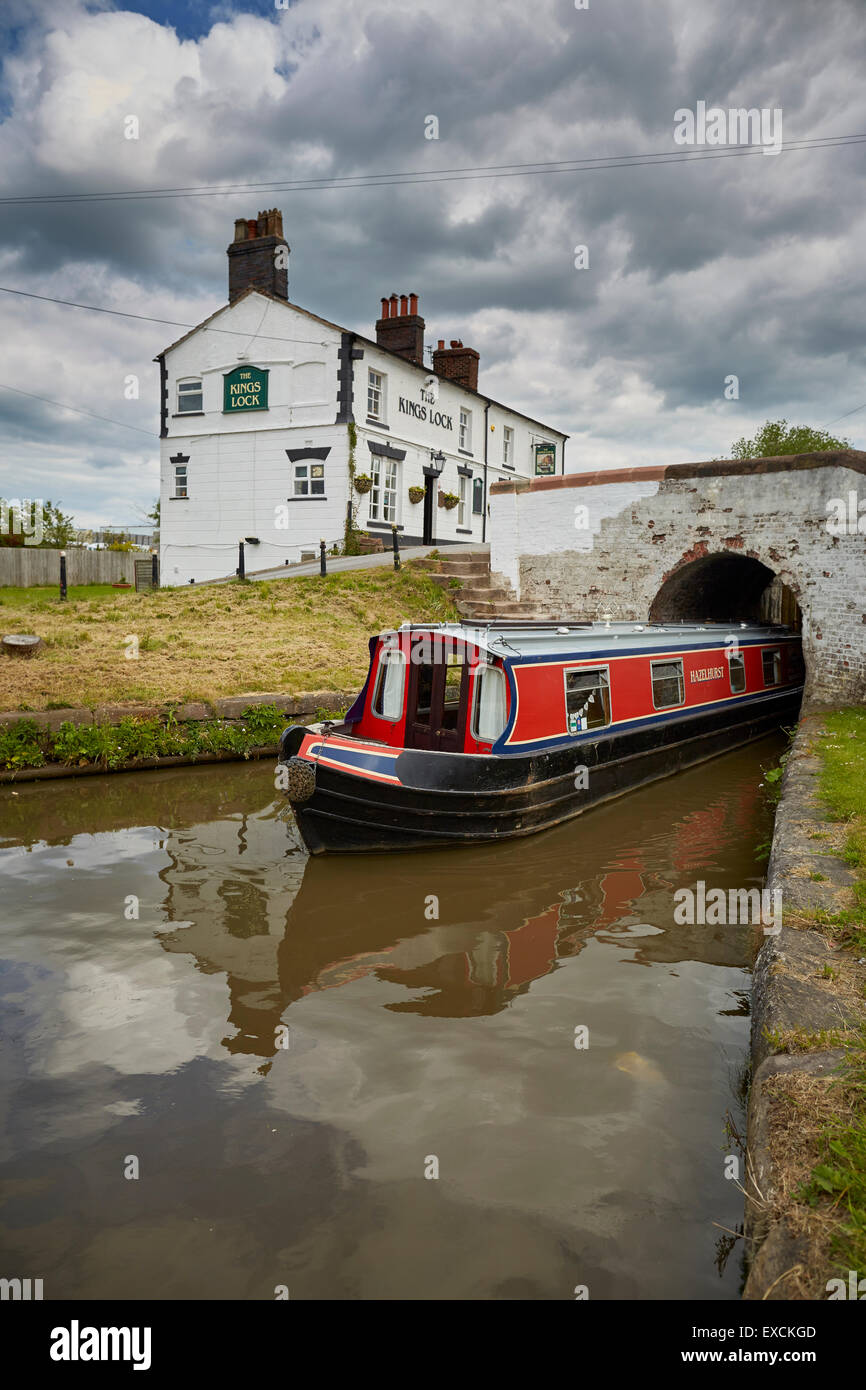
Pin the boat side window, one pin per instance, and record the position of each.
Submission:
(737, 674)
(488, 705)
(587, 699)
(668, 687)
(772, 660)
(390, 685)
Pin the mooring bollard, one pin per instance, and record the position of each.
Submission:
(396, 547)
(241, 571)
(63, 574)
(323, 562)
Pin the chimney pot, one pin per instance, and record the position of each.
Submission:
(384, 313)
(404, 306)
(394, 313)
(441, 345)
(413, 304)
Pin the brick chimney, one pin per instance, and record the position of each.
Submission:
(457, 363)
(252, 256)
(401, 328)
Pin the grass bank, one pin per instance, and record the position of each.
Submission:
(105, 646)
(819, 1122)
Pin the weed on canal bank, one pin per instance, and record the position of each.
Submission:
(819, 1121)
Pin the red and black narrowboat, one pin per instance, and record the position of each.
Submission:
(465, 733)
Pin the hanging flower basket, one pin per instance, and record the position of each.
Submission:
(363, 482)
(416, 493)
(448, 500)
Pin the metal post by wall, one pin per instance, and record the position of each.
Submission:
(154, 570)
(63, 574)
(396, 544)
(323, 563)
(241, 568)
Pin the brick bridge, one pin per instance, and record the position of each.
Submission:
(731, 539)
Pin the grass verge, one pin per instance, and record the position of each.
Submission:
(197, 643)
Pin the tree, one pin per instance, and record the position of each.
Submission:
(778, 437)
(154, 517)
(58, 528)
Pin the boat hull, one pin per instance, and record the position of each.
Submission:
(434, 799)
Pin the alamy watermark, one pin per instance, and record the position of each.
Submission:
(714, 907)
(23, 517)
(736, 126)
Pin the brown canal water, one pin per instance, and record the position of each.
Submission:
(410, 1038)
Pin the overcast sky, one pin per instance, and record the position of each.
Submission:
(751, 266)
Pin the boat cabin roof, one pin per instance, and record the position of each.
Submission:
(531, 640)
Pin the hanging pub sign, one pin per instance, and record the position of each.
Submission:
(245, 388)
(545, 459)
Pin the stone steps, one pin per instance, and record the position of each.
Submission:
(478, 596)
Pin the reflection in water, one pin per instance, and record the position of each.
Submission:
(431, 1001)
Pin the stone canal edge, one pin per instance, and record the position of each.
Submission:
(795, 991)
(229, 710)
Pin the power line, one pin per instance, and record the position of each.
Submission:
(412, 177)
(61, 405)
(147, 318)
(845, 416)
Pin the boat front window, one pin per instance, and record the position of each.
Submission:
(668, 688)
(772, 666)
(390, 684)
(488, 706)
(453, 684)
(587, 699)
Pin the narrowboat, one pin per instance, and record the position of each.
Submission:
(469, 733)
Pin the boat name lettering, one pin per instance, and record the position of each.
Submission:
(707, 673)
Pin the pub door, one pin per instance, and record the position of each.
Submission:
(438, 696)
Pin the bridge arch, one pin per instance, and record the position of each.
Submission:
(724, 586)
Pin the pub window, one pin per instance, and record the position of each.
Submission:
(488, 704)
(772, 660)
(508, 447)
(375, 395)
(390, 683)
(737, 674)
(587, 699)
(189, 397)
(463, 485)
(383, 493)
(465, 439)
(309, 480)
(478, 496)
(180, 480)
(668, 688)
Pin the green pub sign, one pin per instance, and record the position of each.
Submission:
(245, 388)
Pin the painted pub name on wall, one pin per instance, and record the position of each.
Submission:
(245, 388)
(420, 412)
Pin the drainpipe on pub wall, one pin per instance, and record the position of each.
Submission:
(484, 508)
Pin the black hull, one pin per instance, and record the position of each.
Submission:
(453, 799)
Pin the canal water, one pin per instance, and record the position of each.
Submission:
(228, 1068)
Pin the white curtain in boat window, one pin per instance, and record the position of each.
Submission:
(489, 720)
(388, 702)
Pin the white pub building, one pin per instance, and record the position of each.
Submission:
(274, 420)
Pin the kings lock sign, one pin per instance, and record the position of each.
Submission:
(245, 388)
(421, 412)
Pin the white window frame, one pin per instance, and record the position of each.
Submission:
(741, 667)
(385, 489)
(668, 661)
(388, 657)
(776, 654)
(587, 670)
(463, 494)
(482, 672)
(181, 481)
(189, 381)
(464, 438)
(507, 446)
(302, 475)
(376, 391)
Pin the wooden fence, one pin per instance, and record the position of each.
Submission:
(24, 566)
